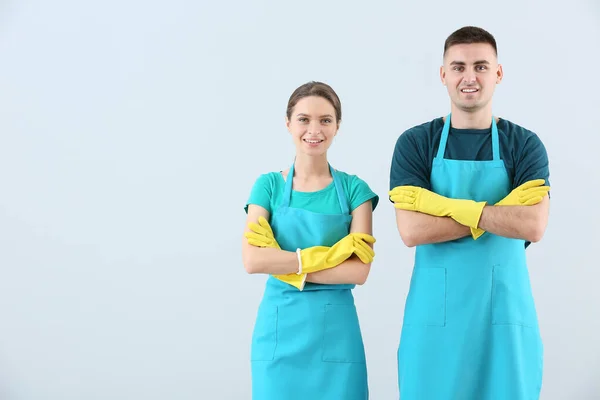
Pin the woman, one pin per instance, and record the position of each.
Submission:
(307, 342)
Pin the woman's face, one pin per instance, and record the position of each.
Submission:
(313, 125)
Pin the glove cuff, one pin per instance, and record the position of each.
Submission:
(299, 262)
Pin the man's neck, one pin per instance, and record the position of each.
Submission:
(480, 119)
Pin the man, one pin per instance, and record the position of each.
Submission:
(470, 193)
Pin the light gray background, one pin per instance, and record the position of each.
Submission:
(131, 133)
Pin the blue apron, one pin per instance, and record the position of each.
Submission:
(470, 328)
(308, 345)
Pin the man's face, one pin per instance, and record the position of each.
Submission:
(471, 73)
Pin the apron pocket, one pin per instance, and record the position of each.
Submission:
(512, 300)
(426, 301)
(342, 340)
(264, 337)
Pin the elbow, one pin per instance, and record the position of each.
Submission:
(252, 258)
(408, 239)
(249, 267)
(537, 230)
(361, 278)
(407, 223)
(539, 222)
(250, 264)
(409, 242)
(536, 234)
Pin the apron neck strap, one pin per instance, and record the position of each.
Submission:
(287, 191)
(446, 132)
(340, 192)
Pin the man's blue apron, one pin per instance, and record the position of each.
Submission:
(470, 328)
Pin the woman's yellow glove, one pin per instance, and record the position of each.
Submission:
(414, 198)
(261, 235)
(318, 258)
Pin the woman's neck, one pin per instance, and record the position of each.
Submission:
(308, 167)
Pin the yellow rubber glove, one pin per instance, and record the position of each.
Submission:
(528, 194)
(413, 198)
(319, 258)
(316, 258)
(297, 281)
(261, 235)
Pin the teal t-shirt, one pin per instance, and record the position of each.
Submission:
(267, 192)
(521, 150)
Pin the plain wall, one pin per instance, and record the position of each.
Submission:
(131, 133)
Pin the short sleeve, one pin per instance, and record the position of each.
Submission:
(408, 162)
(261, 192)
(361, 192)
(532, 162)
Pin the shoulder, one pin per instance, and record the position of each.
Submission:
(517, 133)
(424, 130)
(522, 143)
(268, 177)
(349, 179)
(267, 181)
(353, 184)
(263, 189)
(420, 137)
(357, 189)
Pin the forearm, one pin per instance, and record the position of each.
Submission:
(351, 271)
(416, 228)
(258, 260)
(517, 222)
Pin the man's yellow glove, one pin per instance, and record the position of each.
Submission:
(528, 194)
(413, 198)
(318, 258)
(261, 235)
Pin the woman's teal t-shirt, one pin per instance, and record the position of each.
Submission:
(267, 192)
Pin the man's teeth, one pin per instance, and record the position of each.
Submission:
(468, 90)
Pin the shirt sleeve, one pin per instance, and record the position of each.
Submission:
(261, 192)
(532, 162)
(361, 192)
(409, 165)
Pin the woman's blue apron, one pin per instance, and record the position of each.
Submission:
(308, 345)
